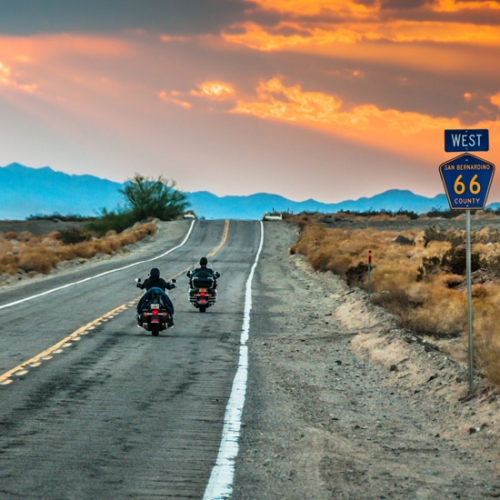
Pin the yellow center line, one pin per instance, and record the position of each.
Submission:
(57, 346)
(35, 361)
(222, 241)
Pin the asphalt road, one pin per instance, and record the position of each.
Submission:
(113, 412)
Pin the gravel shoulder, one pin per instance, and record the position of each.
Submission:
(341, 404)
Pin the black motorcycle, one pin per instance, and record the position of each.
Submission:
(153, 315)
(202, 293)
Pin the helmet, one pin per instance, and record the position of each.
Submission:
(203, 261)
(154, 273)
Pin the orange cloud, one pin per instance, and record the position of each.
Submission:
(214, 90)
(167, 38)
(495, 100)
(309, 37)
(7, 80)
(461, 5)
(353, 9)
(257, 38)
(172, 98)
(383, 128)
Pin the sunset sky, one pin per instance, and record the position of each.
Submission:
(323, 99)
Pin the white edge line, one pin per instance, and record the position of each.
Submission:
(220, 484)
(10, 304)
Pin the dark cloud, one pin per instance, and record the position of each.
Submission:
(404, 4)
(27, 17)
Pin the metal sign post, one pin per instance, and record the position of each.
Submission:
(469, 300)
(467, 180)
(369, 272)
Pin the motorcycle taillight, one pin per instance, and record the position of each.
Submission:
(155, 312)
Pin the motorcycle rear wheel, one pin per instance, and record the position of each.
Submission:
(202, 309)
(155, 329)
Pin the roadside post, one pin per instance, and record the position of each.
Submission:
(369, 272)
(467, 181)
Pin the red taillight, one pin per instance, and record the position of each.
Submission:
(155, 312)
(202, 294)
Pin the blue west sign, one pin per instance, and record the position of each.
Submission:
(467, 180)
(459, 141)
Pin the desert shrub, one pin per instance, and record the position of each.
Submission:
(454, 237)
(11, 235)
(355, 275)
(409, 213)
(398, 302)
(56, 217)
(430, 265)
(454, 260)
(24, 236)
(73, 235)
(445, 214)
(37, 260)
(118, 221)
(41, 254)
(9, 264)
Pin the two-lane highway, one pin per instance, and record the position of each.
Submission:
(113, 412)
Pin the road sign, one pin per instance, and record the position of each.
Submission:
(458, 141)
(467, 180)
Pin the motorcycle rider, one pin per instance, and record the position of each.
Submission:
(159, 285)
(203, 267)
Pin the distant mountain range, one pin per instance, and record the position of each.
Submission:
(29, 191)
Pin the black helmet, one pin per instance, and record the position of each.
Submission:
(154, 273)
(203, 261)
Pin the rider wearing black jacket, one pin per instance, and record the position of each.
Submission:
(154, 281)
(203, 267)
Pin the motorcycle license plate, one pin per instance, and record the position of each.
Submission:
(155, 306)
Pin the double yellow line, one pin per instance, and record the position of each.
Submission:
(23, 368)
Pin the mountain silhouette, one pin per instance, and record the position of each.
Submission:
(29, 191)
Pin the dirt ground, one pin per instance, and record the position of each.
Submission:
(341, 404)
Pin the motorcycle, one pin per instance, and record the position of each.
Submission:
(154, 316)
(202, 293)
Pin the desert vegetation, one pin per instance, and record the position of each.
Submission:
(144, 197)
(419, 276)
(25, 254)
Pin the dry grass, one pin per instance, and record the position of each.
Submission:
(25, 253)
(436, 305)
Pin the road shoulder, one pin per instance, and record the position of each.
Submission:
(341, 404)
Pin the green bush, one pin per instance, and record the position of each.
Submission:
(73, 235)
(55, 217)
(147, 197)
(118, 221)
